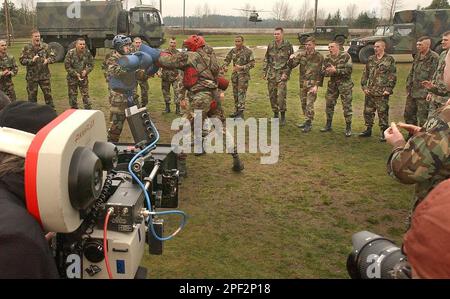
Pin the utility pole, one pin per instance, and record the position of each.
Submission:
(7, 23)
(160, 6)
(315, 14)
(184, 16)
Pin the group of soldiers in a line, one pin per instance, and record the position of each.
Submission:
(426, 91)
(78, 62)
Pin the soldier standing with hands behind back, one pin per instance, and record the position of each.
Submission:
(378, 82)
(243, 61)
(36, 56)
(79, 63)
(276, 72)
(8, 69)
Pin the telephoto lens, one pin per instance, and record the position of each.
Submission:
(375, 257)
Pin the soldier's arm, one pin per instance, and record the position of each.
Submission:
(177, 61)
(113, 67)
(392, 77)
(365, 76)
(90, 63)
(228, 59)
(68, 65)
(288, 68)
(26, 57)
(420, 159)
(319, 65)
(266, 61)
(15, 68)
(251, 62)
(345, 68)
(51, 57)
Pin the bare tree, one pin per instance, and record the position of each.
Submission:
(206, 10)
(389, 7)
(281, 10)
(303, 12)
(351, 12)
(321, 16)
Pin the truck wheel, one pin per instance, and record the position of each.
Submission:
(340, 39)
(122, 22)
(59, 51)
(365, 53)
(354, 58)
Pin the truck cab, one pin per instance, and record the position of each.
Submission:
(330, 33)
(146, 22)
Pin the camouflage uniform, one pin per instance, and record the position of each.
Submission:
(243, 57)
(7, 62)
(340, 83)
(37, 72)
(117, 100)
(143, 84)
(440, 94)
(171, 78)
(75, 64)
(424, 160)
(379, 75)
(423, 69)
(275, 66)
(310, 76)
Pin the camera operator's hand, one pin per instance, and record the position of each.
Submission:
(412, 129)
(394, 137)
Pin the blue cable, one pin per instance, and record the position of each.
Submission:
(147, 196)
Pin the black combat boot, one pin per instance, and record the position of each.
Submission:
(167, 110)
(308, 127)
(276, 115)
(302, 125)
(366, 133)
(283, 119)
(327, 127)
(233, 115)
(238, 165)
(177, 109)
(382, 138)
(348, 130)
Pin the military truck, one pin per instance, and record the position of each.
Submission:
(407, 27)
(335, 33)
(61, 23)
(357, 44)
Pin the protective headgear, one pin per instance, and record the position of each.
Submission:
(119, 41)
(194, 42)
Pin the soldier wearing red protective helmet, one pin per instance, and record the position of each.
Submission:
(201, 73)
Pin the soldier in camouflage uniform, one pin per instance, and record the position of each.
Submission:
(143, 77)
(118, 100)
(378, 82)
(202, 93)
(423, 69)
(338, 66)
(243, 61)
(424, 159)
(79, 63)
(171, 78)
(276, 72)
(310, 62)
(36, 56)
(438, 93)
(8, 69)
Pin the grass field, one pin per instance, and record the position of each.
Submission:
(294, 219)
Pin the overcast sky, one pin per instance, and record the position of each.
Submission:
(225, 7)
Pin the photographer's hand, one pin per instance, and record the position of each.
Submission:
(394, 137)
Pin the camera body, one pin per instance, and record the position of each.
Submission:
(112, 236)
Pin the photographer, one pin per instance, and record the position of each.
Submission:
(24, 253)
(424, 159)
(427, 242)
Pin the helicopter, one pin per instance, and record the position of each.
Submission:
(254, 14)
